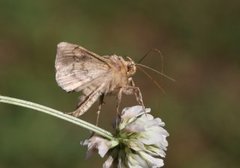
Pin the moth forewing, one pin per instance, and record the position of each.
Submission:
(78, 69)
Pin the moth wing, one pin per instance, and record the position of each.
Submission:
(77, 68)
(89, 97)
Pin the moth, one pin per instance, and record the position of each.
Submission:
(78, 69)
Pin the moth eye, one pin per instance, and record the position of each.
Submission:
(129, 67)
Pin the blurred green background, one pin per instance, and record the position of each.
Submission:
(200, 43)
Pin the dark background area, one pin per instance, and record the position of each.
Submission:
(200, 43)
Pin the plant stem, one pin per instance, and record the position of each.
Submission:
(56, 113)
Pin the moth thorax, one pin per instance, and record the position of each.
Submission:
(131, 67)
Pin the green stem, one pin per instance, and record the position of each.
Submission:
(56, 113)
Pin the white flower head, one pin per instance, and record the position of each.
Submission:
(140, 141)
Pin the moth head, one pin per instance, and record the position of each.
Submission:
(131, 67)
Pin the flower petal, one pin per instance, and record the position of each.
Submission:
(134, 111)
(99, 143)
(108, 163)
(152, 161)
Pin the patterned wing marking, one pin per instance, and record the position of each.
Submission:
(77, 68)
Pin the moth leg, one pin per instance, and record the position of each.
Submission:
(78, 111)
(119, 99)
(132, 89)
(133, 84)
(101, 102)
(137, 92)
(87, 101)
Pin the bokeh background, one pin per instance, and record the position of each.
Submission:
(200, 43)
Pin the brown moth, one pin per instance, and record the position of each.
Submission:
(78, 69)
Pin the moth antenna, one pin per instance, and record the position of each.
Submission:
(145, 55)
(154, 81)
(158, 72)
(156, 50)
